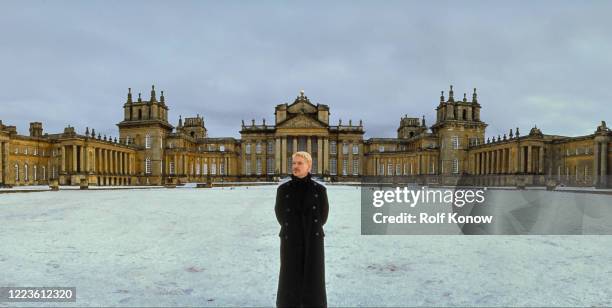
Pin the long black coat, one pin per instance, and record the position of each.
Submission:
(302, 259)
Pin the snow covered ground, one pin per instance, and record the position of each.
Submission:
(220, 247)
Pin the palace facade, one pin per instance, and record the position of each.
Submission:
(151, 151)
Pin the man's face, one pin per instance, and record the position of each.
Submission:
(300, 166)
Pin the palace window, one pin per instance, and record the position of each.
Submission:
(344, 166)
(43, 172)
(147, 141)
(247, 149)
(197, 167)
(345, 148)
(213, 167)
(398, 169)
(270, 147)
(16, 150)
(16, 172)
(35, 151)
(381, 148)
(333, 165)
(455, 165)
(381, 168)
(355, 149)
(270, 165)
(35, 175)
(172, 168)
(355, 166)
(222, 148)
(25, 151)
(205, 167)
(148, 165)
(455, 142)
(222, 168)
(25, 172)
(389, 169)
(247, 166)
(314, 168)
(332, 147)
(258, 166)
(258, 147)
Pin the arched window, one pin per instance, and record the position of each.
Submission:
(43, 172)
(148, 165)
(147, 141)
(25, 172)
(16, 172)
(35, 173)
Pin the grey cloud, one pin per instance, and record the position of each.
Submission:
(545, 63)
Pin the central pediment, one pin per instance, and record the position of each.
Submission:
(301, 121)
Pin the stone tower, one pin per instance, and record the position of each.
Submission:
(457, 126)
(145, 125)
(410, 127)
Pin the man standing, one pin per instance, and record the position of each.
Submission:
(301, 210)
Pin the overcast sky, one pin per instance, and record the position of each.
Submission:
(544, 63)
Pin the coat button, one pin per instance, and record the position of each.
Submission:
(287, 196)
(286, 236)
(314, 207)
(286, 224)
(317, 234)
(316, 195)
(316, 220)
(288, 210)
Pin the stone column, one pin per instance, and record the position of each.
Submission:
(2, 164)
(74, 159)
(529, 160)
(349, 165)
(604, 163)
(176, 171)
(325, 155)
(319, 155)
(106, 164)
(517, 162)
(87, 160)
(521, 159)
(541, 160)
(283, 161)
(277, 156)
(596, 163)
(121, 170)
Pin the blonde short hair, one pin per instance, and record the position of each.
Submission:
(304, 155)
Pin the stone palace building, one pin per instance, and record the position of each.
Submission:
(454, 150)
